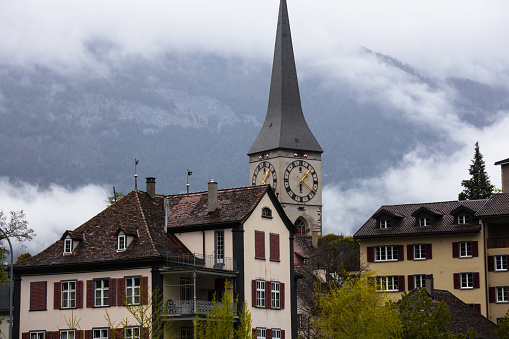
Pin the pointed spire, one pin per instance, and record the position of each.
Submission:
(284, 126)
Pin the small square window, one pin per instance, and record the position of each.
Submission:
(67, 334)
(132, 332)
(37, 335)
(385, 224)
(100, 333)
(261, 333)
(424, 222)
(266, 212)
(276, 333)
(463, 219)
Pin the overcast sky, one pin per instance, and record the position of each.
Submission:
(439, 38)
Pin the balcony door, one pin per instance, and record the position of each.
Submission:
(219, 248)
(185, 289)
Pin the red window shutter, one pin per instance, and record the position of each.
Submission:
(268, 294)
(409, 252)
(55, 334)
(401, 254)
(57, 295)
(79, 294)
(477, 307)
(282, 334)
(429, 275)
(260, 244)
(144, 333)
(88, 334)
(38, 296)
(492, 295)
(455, 250)
(456, 277)
(144, 290)
(120, 291)
(476, 280)
(25, 335)
(401, 283)
(491, 263)
(119, 333)
(370, 253)
(282, 295)
(410, 282)
(79, 334)
(274, 246)
(112, 285)
(254, 332)
(253, 292)
(90, 294)
(429, 253)
(269, 333)
(475, 249)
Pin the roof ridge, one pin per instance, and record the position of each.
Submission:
(219, 190)
(433, 202)
(146, 225)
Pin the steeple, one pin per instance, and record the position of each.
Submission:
(284, 126)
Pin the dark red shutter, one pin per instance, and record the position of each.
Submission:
(144, 290)
(38, 296)
(491, 263)
(120, 291)
(476, 280)
(89, 334)
(90, 294)
(55, 334)
(269, 333)
(477, 307)
(401, 283)
(429, 253)
(282, 334)
(253, 290)
(411, 282)
(492, 295)
(112, 286)
(79, 294)
(119, 333)
(254, 332)
(456, 277)
(79, 334)
(370, 253)
(274, 246)
(455, 250)
(144, 333)
(260, 244)
(25, 335)
(401, 254)
(409, 252)
(268, 294)
(282, 295)
(57, 294)
(429, 275)
(475, 249)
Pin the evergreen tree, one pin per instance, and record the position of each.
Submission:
(479, 185)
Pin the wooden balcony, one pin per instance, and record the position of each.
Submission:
(498, 242)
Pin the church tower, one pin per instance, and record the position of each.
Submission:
(285, 154)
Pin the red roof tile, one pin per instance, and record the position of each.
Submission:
(496, 206)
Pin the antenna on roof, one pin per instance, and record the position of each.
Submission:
(136, 162)
(189, 173)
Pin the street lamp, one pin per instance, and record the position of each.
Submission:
(11, 287)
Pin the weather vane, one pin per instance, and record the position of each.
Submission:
(136, 162)
(189, 173)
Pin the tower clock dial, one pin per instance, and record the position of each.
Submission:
(265, 174)
(301, 181)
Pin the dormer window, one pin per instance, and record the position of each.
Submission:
(462, 215)
(385, 223)
(463, 219)
(121, 242)
(68, 245)
(424, 222)
(266, 212)
(425, 217)
(386, 219)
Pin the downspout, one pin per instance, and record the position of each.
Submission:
(486, 290)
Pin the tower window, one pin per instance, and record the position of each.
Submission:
(300, 226)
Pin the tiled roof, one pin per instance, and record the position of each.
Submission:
(502, 162)
(497, 205)
(302, 248)
(407, 225)
(233, 205)
(135, 211)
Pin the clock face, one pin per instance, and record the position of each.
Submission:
(301, 181)
(265, 174)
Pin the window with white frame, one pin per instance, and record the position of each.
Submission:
(67, 245)
(385, 223)
(132, 291)
(37, 335)
(386, 253)
(463, 219)
(420, 252)
(260, 293)
(101, 292)
(100, 333)
(219, 247)
(132, 332)
(68, 294)
(276, 333)
(275, 294)
(465, 249)
(266, 212)
(420, 280)
(501, 263)
(121, 242)
(467, 280)
(387, 284)
(67, 334)
(424, 222)
(502, 294)
(261, 333)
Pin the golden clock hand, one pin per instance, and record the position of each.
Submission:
(305, 175)
(266, 175)
(305, 183)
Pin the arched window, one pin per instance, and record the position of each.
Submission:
(300, 225)
(266, 212)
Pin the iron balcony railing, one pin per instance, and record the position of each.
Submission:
(186, 307)
(201, 261)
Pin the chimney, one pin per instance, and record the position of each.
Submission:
(151, 187)
(314, 238)
(212, 196)
(504, 166)
(429, 285)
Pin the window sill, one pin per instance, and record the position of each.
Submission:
(260, 258)
(118, 251)
(267, 217)
(419, 259)
(466, 288)
(502, 302)
(501, 270)
(392, 260)
(101, 306)
(37, 310)
(275, 260)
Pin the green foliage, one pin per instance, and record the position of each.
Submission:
(503, 327)
(356, 310)
(3, 274)
(479, 185)
(23, 256)
(244, 330)
(114, 198)
(338, 255)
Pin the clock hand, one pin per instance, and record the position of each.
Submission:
(305, 183)
(305, 175)
(266, 175)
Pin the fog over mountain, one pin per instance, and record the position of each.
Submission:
(86, 88)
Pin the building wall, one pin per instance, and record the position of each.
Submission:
(54, 319)
(194, 242)
(442, 265)
(266, 269)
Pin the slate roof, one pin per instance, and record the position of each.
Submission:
(135, 211)
(302, 249)
(497, 206)
(234, 206)
(285, 125)
(406, 225)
